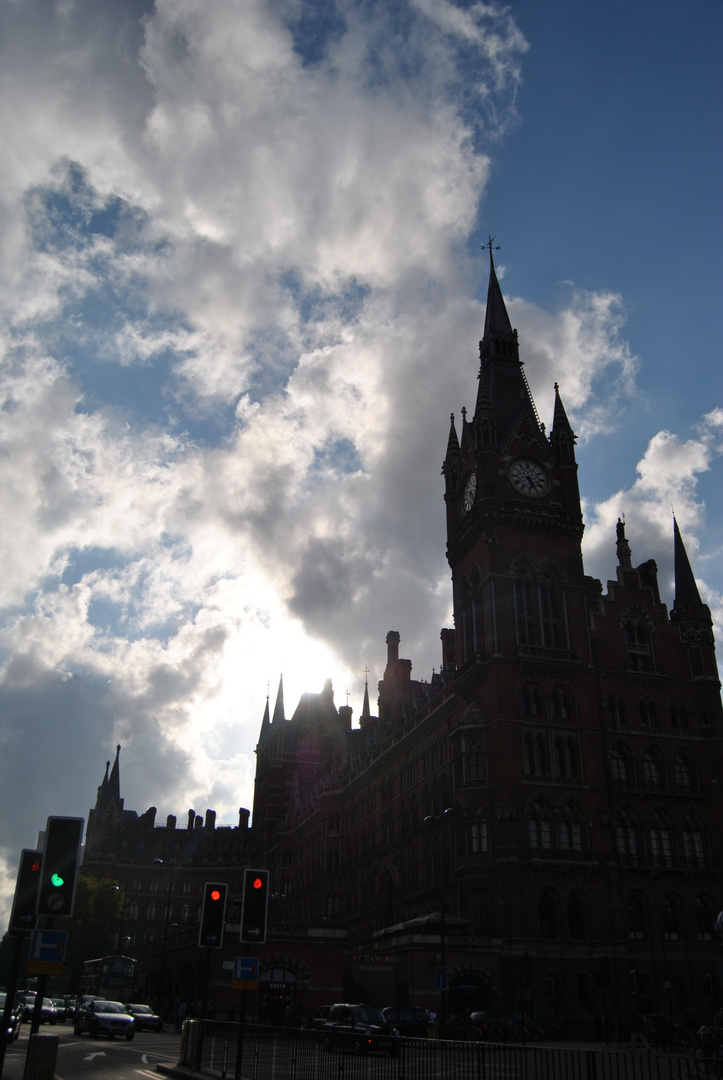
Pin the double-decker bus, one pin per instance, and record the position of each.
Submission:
(110, 977)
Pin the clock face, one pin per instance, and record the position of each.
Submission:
(470, 490)
(528, 477)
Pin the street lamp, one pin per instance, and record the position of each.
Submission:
(439, 819)
(164, 943)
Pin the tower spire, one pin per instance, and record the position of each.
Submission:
(686, 590)
(503, 384)
(278, 717)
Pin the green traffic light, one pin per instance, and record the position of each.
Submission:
(57, 880)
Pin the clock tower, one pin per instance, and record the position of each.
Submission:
(514, 523)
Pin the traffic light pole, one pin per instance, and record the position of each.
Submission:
(11, 991)
(241, 1025)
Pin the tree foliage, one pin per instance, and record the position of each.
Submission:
(96, 926)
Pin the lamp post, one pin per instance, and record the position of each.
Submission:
(439, 819)
(121, 939)
(164, 942)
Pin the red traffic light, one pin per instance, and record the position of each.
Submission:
(215, 895)
(35, 866)
(258, 883)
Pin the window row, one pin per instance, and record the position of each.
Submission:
(652, 772)
(648, 715)
(661, 847)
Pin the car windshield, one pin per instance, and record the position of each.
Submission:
(369, 1016)
(140, 1008)
(109, 1007)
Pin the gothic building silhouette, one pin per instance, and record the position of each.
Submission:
(541, 819)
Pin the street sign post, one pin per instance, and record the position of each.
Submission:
(47, 952)
(245, 973)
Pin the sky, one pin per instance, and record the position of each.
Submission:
(241, 290)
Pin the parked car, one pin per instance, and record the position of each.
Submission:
(101, 1017)
(61, 1009)
(360, 1028)
(145, 1018)
(48, 1013)
(318, 1020)
(414, 1023)
(14, 1020)
(70, 1003)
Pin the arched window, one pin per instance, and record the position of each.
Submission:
(693, 845)
(185, 912)
(549, 610)
(570, 829)
(617, 718)
(533, 753)
(548, 916)
(651, 771)
(638, 643)
(626, 840)
(684, 774)
(531, 702)
(620, 771)
(565, 757)
(576, 917)
(150, 912)
(636, 918)
(679, 718)
(648, 716)
(479, 837)
(561, 708)
(133, 909)
(661, 850)
(476, 763)
(539, 829)
(524, 598)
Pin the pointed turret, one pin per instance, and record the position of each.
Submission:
(366, 713)
(265, 723)
(113, 789)
(278, 717)
(686, 590)
(562, 437)
(452, 443)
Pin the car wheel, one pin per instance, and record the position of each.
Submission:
(130, 1036)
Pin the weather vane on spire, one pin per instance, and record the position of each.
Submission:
(491, 246)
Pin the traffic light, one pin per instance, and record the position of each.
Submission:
(550, 989)
(255, 903)
(633, 981)
(63, 836)
(213, 915)
(527, 969)
(26, 891)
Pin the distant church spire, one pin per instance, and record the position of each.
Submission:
(686, 590)
(365, 713)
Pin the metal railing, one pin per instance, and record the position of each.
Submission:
(299, 1054)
